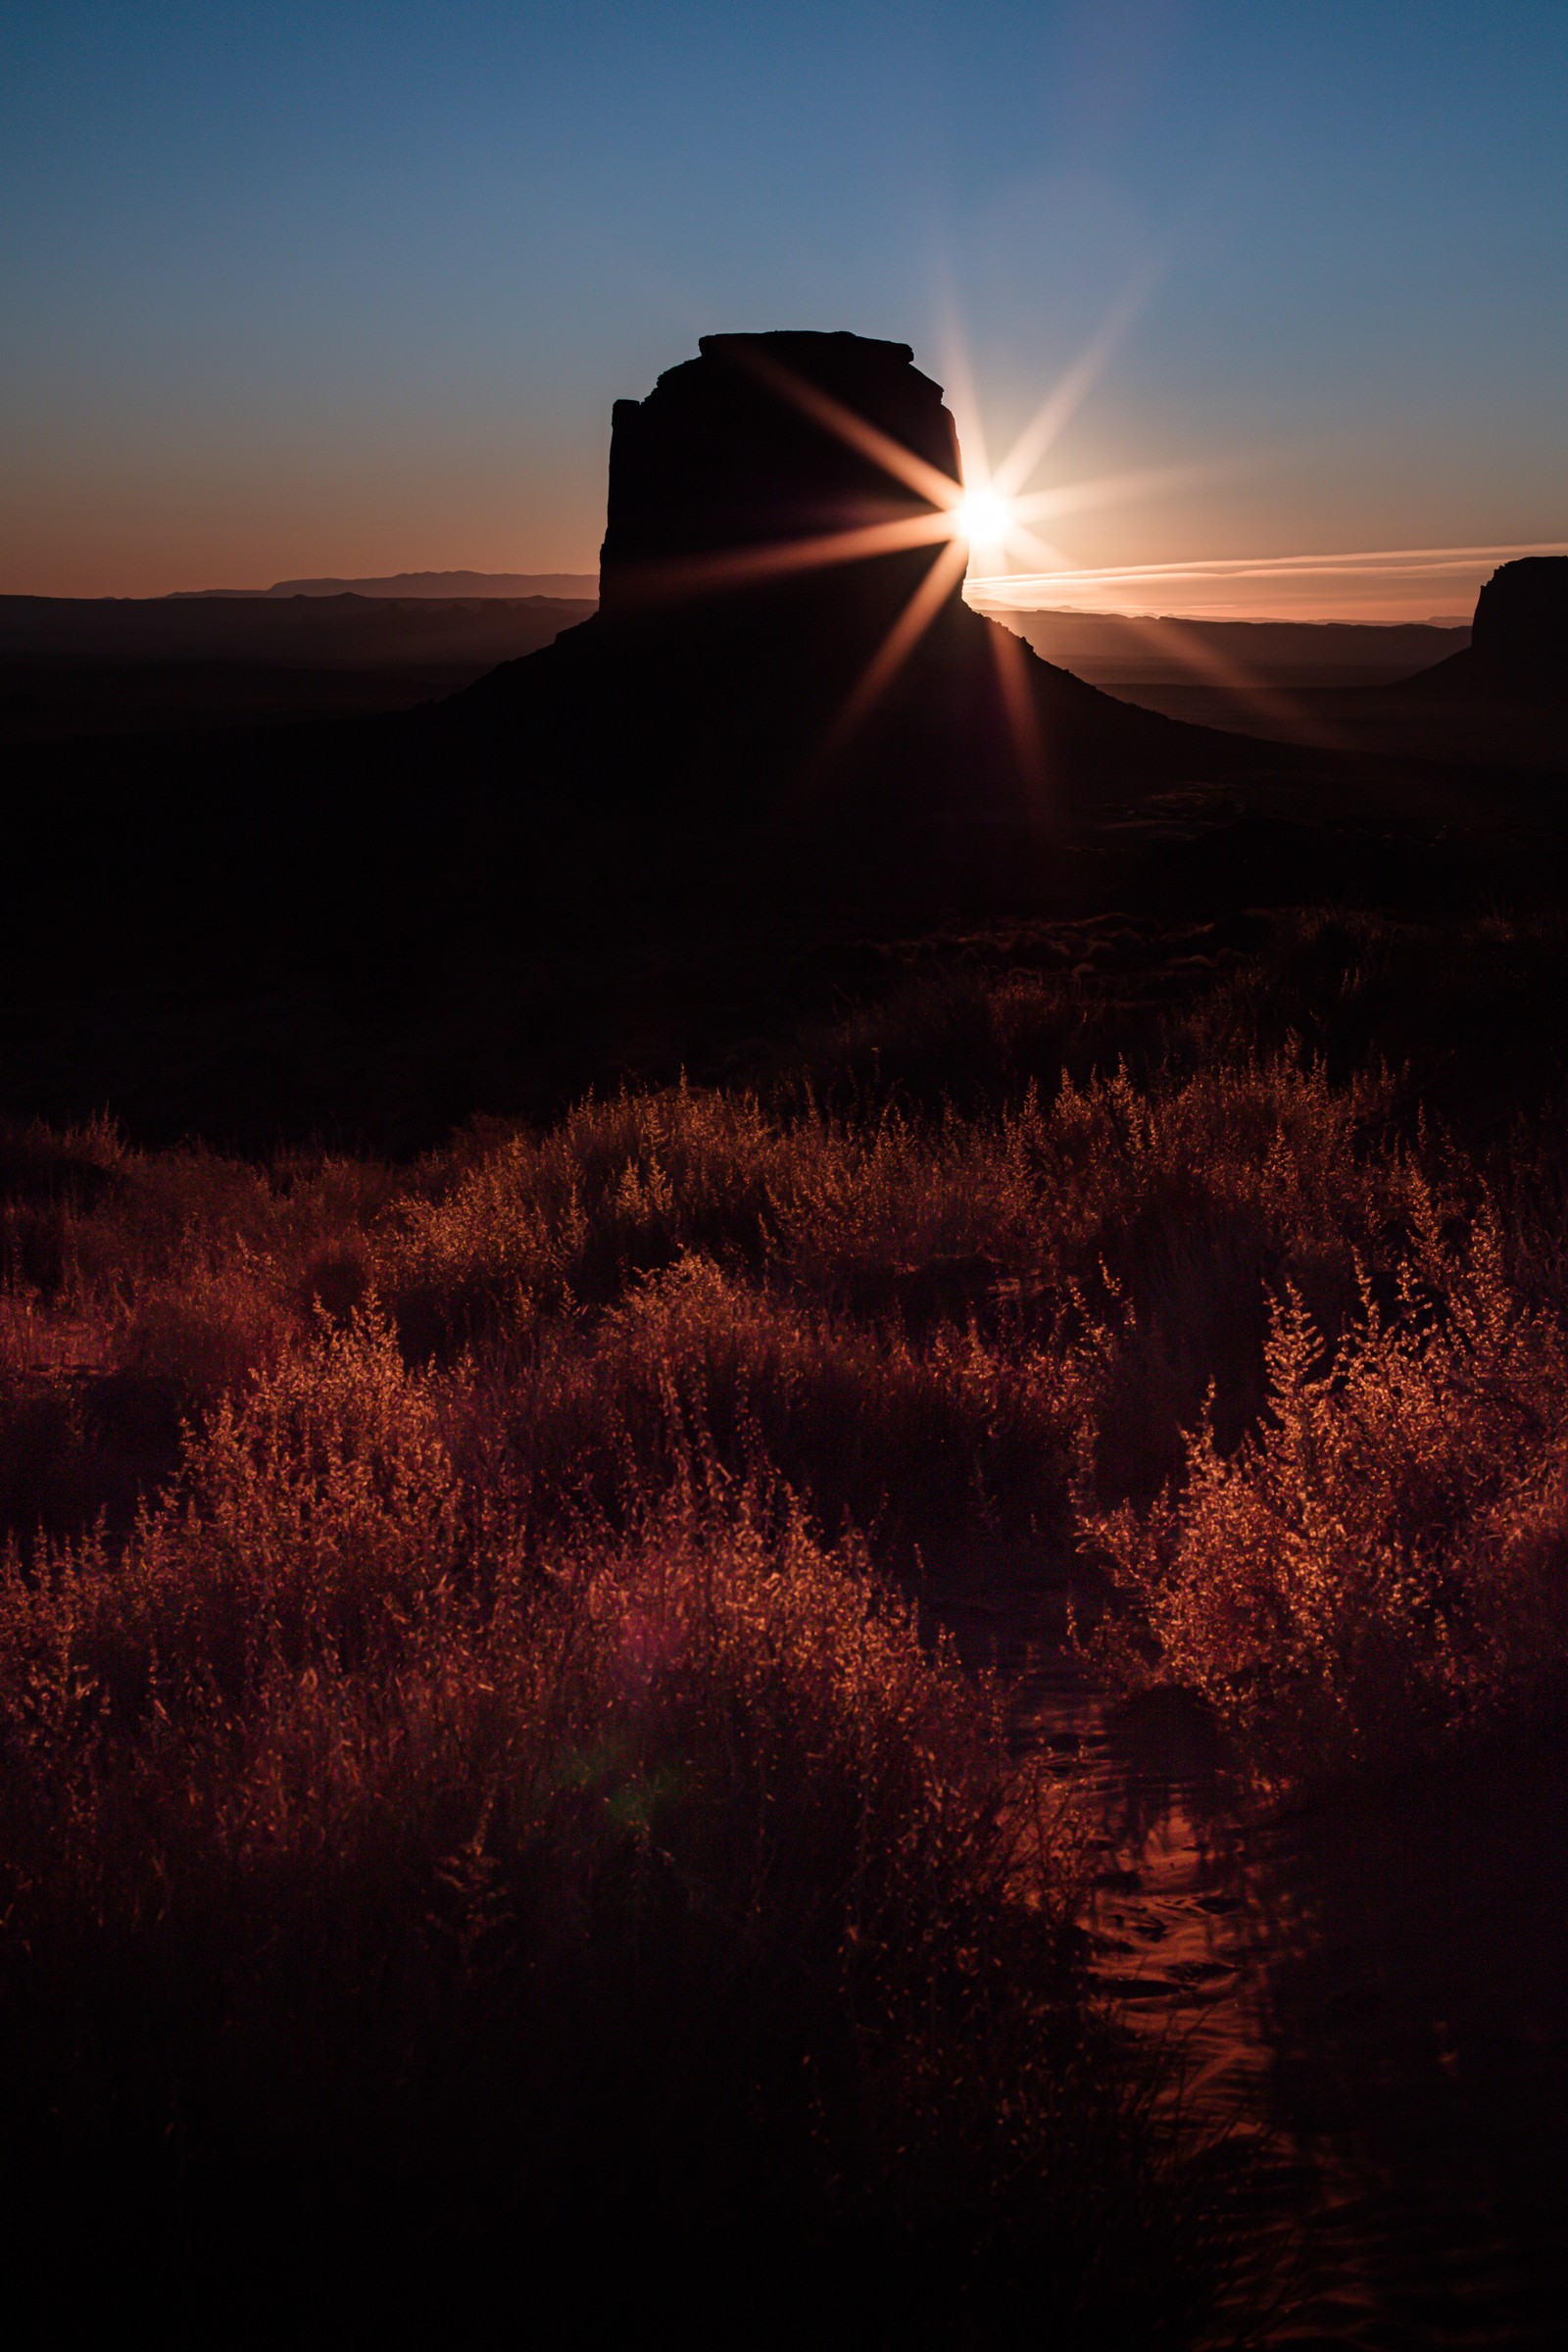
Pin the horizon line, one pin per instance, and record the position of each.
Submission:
(1363, 566)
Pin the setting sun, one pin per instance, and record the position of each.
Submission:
(985, 518)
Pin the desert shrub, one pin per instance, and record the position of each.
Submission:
(1028, 1004)
(1146, 1224)
(85, 1218)
(616, 1191)
(1382, 1562)
(909, 1307)
(313, 1516)
(923, 1440)
(1185, 1207)
(966, 1037)
(45, 1450)
(391, 1902)
(205, 1331)
(1453, 1008)
(932, 1323)
(47, 1183)
(139, 1289)
(464, 1777)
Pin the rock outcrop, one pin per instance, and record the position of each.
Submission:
(783, 660)
(1518, 650)
(1520, 632)
(735, 455)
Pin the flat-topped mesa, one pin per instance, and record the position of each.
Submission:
(783, 675)
(752, 450)
(1520, 633)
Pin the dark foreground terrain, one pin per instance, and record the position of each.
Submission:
(95, 667)
(1408, 718)
(488, 1794)
(312, 936)
(485, 1779)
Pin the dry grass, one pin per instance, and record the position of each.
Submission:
(468, 1767)
(1382, 1562)
(928, 1295)
(390, 1891)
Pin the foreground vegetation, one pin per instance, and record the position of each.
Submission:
(475, 1782)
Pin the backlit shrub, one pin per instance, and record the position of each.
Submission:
(385, 1891)
(1383, 1560)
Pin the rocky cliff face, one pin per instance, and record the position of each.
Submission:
(1513, 675)
(754, 446)
(783, 669)
(1520, 633)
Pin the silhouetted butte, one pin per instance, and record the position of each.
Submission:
(739, 679)
(1519, 638)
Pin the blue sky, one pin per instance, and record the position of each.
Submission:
(293, 289)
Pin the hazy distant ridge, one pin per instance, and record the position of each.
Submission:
(438, 584)
(348, 628)
(1113, 648)
(78, 665)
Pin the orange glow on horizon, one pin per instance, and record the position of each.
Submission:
(1375, 585)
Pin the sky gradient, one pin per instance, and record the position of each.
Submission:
(292, 290)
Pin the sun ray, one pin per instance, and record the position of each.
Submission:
(1023, 714)
(940, 490)
(1021, 537)
(703, 574)
(1114, 489)
(907, 629)
(964, 402)
(1271, 704)
(1055, 411)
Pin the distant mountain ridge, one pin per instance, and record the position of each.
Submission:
(86, 665)
(1498, 700)
(426, 585)
(1111, 649)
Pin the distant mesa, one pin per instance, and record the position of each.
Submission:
(1518, 640)
(1520, 630)
(436, 586)
(733, 459)
(783, 640)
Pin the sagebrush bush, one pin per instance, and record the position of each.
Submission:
(468, 1767)
(1381, 1561)
(386, 1887)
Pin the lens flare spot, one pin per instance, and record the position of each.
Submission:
(985, 518)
